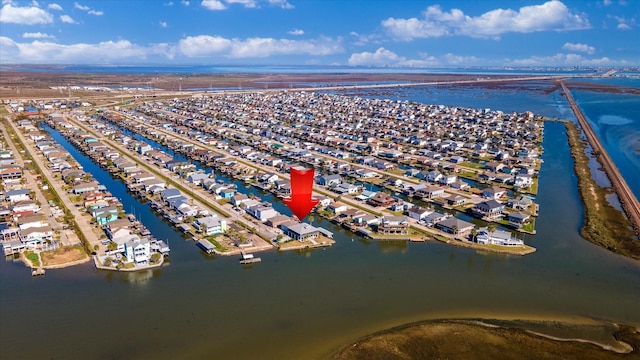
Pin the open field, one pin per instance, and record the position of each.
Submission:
(64, 256)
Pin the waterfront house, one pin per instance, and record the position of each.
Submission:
(329, 180)
(36, 235)
(489, 209)
(523, 180)
(448, 179)
(262, 211)
(520, 202)
(337, 208)
(366, 220)
(460, 185)
(238, 199)
(434, 176)
(455, 200)
(381, 199)
(419, 213)
(142, 177)
(324, 201)
(496, 237)
(105, 215)
(394, 225)
(82, 188)
(518, 219)
(493, 192)
(346, 188)
(430, 192)
(168, 194)
(454, 226)
(278, 220)
(210, 225)
(435, 217)
(137, 250)
(300, 231)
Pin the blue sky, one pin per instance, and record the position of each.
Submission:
(381, 33)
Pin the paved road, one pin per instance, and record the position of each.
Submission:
(45, 208)
(626, 196)
(81, 218)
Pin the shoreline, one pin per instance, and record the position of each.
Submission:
(603, 225)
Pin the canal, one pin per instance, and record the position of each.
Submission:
(304, 305)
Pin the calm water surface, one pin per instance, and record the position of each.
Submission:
(297, 305)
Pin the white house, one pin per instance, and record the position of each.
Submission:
(137, 250)
(210, 225)
(496, 237)
(419, 213)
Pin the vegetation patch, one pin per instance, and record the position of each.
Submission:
(33, 258)
(603, 224)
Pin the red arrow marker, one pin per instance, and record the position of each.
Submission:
(300, 201)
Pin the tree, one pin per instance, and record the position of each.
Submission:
(112, 246)
(108, 261)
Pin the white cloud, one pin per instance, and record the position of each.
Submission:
(566, 60)
(245, 3)
(203, 45)
(251, 4)
(579, 48)
(623, 26)
(30, 15)
(550, 16)
(170, 3)
(100, 53)
(89, 10)
(607, 2)
(387, 58)
(163, 24)
(281, 3)
(81, 7)
(206, 45)
(54, 6)
(296, 32)
(185, 3)
(37, 35)
(67, 19)
(213, 4)
(382, 57)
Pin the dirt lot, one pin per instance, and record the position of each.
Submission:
(64, 256)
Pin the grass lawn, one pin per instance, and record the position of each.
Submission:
(33, 257)
(215, 243)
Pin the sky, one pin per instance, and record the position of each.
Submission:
(372, 33)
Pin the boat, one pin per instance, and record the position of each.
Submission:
(249, 259)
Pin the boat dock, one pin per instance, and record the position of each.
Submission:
(249, 259)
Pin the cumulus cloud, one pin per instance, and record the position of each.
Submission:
(296, 32)
(67, 19)
(185, 2)
(385, 58)
(95, 12)
(54, 6)
(213, 5)
(99, 53)
(579, 48)
(206, 45)
(37, 35)
(163, 24)
(28, 15)
(550, 16)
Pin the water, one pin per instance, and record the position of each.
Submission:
(615, 118)
(306, 304)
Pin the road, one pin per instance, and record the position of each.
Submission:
(626, 196)
(81, 218)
